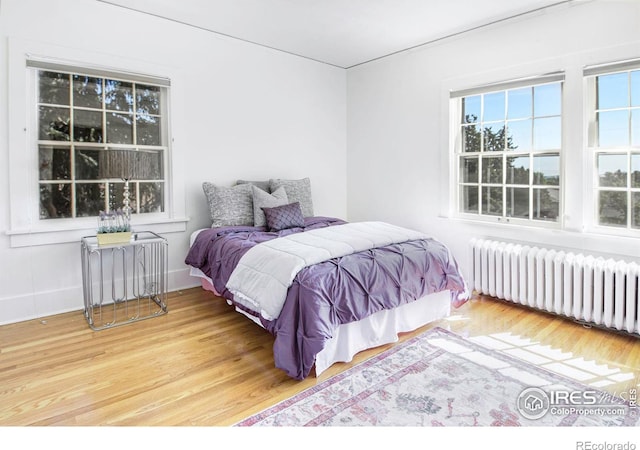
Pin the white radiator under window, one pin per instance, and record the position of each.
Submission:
(590, 289)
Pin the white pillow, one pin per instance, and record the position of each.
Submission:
(262, 199)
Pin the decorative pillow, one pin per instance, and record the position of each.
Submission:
(283, 217)
(262, 199)
(229, 205)
(297, 191)
(264, 185)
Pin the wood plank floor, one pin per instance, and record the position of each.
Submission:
(202, 364)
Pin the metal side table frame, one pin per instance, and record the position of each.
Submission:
(136, 274)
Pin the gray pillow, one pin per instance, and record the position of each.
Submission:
(261, 199)
(297, 191)
(264, 185)
(229, 206)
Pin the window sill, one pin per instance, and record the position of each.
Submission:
(57, 235)
(579, 241)
(507, 222)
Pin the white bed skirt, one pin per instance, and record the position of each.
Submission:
(382, 328)
(378, 329)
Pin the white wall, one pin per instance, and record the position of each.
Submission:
(243, 111)
(398, 131)
(238, 111)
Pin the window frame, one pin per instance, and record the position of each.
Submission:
(456, 150)
(24, 227)
(73, 146)
(592, 150)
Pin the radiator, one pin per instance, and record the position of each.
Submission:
(589, 289)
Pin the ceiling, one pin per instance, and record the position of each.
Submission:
(342, 33)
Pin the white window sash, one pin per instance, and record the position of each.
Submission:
(592, 188)
(455, 96)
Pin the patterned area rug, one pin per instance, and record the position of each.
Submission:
(442, 379)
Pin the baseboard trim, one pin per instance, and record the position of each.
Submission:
(38, 305)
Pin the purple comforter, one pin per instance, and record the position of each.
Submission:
(334, 292)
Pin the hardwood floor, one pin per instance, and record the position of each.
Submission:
(202, 364)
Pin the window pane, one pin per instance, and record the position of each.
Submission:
(547, 133)
(87, 92)
(55, 201)
(492, 201)
(53, 88)
(87, 126)
(546, 204)
(53, 124)
(547, 100)
(116, 196)
(635, 88)
(635, 205)
(635, 127)
(613, 208)
(514, 126)
(492, 169)
(154, 164)
(89, 199)
(103, 111)
(471, 138)
(118, 95)
(119, 128)
(546, 169)
(469, 169)
(635, 170)
(494, 137)
(519, 135)
(54, 162)
(518, 170)
(151, 197)
(518, 202)
(494, 107)
(87, 164)
(469, 199)
(148, 99)
(148, 130)
(612, 170)
(520, 103)
(613, 128)
(613, 91)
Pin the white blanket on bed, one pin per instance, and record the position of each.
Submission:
(265, 273)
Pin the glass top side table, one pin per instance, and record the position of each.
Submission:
(124, 282)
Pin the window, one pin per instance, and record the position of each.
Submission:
(614, 143)
(104, 102)
(508, 150)
(81, 114)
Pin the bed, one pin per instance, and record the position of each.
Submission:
(325, 288)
